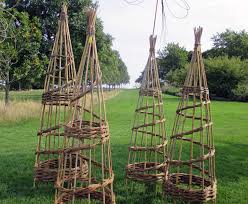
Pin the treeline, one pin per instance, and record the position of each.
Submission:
(226, 65)
(27, 34)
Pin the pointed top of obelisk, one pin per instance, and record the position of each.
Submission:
(63, 13)
(198, 34)
(91, 20)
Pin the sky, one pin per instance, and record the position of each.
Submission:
(131, 25)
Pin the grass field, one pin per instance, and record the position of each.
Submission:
(18, 143)
(34, 95)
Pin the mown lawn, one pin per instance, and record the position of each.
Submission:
(18, 143)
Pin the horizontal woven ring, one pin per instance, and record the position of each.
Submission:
(47, 171)
(87, 130)
(210, 154)
(83, 192)
(150, 92)
(152, 148)
(202, 193)
(148, 107)
(180, 135)
(194, 89)
(140, 171)
(82, 147)
(49, 130)
(55, 97)
(149, 124)
(148, 133)
(180, 111)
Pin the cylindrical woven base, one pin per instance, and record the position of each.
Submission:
(145, 172)
(47, 171)
(95, 190)
(198, 193)
(96, 195)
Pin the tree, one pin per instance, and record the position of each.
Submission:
(172, 57)
(113, 68)
(177, 77)
(229, 43)
(122, 77)
(227, 77)
(139, 79)
(224, 74)
(47, 12)
(19, 52)
(125, 78)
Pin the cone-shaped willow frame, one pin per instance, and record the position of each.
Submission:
(58, 90)
(87, 135)
(147, 150)
(191, 174)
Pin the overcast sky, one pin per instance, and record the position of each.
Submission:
(131, 25)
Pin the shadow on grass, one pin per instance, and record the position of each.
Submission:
(231, 165)
(17, 178)
(16, 175)
(231, 161)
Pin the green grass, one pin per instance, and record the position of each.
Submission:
(18, 143)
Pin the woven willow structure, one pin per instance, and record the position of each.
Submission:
(87, 133)
(191, 174)
(146, 160)
(58, 90)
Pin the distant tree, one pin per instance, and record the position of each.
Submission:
(227, 77)
(19, 52)
(172, 57)
(226, 65)
(224, 74)
(139, 79)
(113, 68)
(229, 43)
(177, 77)
(123, 76)
(48, 11)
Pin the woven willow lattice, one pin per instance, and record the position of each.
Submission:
(58, 90)
(146, 160)
(87, 133)
(192, 155)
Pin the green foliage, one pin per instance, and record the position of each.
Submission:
(113, 68)
(226, 65)
(227, 77)
(241, 91)
(177, 77)
(230, 43)
(19, 52)
(48, 11)
(223, 75)
(172, 57)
